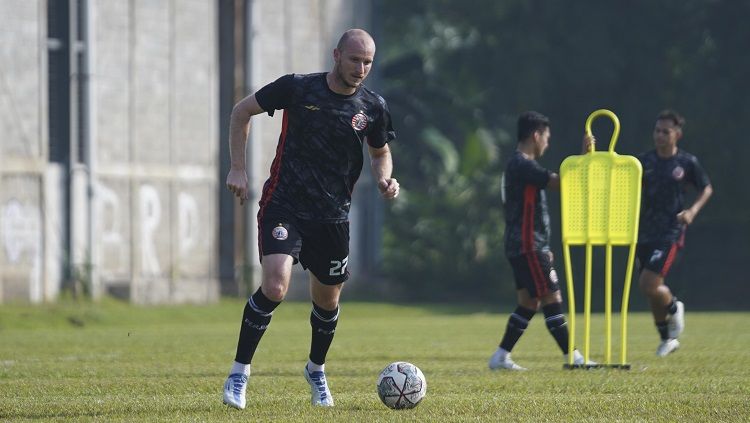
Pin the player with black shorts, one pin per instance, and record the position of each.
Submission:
(527, 240)
(304, 206)
(667, 173)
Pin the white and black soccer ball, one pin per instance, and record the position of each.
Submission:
(401, 385)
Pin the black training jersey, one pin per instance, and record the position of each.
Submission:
(663, 196)
(319, 154)
(527, 226)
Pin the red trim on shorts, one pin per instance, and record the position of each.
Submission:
(681, 239)
(273, 180)
(527, 240)
(540, 282)
(670, 259)
(676, 247)
(260, 234)
(527, 219)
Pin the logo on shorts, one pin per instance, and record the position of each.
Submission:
(359, 122)
(553, 276)
(280, 233)
(655, 256)
(678, 173)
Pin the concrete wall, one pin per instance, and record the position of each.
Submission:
(154, 113)
(27, 230)
(142, 212)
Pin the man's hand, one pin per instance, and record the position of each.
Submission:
(237, 184)
(388, 188)
(686, 216)
(589, 143)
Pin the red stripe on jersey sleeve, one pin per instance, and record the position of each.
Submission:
(276, 164)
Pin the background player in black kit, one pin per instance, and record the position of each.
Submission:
(667, 171)
(527, 240)
(304, 207)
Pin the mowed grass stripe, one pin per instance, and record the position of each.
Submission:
(116, 362)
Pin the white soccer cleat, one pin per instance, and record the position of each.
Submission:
(667, 346)
(234, 390)
(501, 360)
(578, 359)
(321, 395)
(676, 321)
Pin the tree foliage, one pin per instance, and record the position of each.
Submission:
(456, 75)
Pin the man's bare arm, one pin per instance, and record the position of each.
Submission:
(239, 128)
(382, 168)
(688, 215)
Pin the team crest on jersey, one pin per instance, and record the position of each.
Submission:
(678, 173)
(280, 233)
(359, 122)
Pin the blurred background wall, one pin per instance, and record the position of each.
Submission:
(29, 203)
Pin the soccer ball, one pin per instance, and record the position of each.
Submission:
(401, 385)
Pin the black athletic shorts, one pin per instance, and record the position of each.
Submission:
(323, 248)
(534, 272)
(658, 257)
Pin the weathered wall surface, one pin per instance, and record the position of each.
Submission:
(154, 100)
(25, 227)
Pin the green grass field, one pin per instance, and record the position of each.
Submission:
(115, 362)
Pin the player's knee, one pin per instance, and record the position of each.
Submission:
(329, 304)
(648, 286)
(274, 291)
(551, 298)
(530, 303)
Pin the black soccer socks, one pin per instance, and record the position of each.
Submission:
(255, 320)
(672, 306)
(323, 323)
(517, 324)
(557, 325)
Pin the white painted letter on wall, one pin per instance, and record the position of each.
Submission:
(109, 218)
(150, 208)
(22, 233)
(187, 220)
